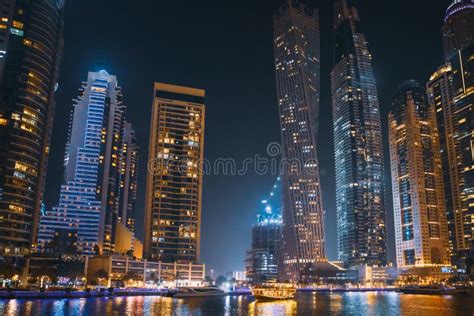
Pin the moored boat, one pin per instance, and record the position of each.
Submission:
(206, 291)
(274, 291)
(432, 289)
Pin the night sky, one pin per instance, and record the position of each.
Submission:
(225, 47)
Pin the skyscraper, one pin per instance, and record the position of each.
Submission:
(262, 259)
(440, 95)
(462, 64)
(458, 27)
(31, 41)
(357, 145)
(174, 179)
(128, 179)
(417, 182)
(297, 66)
(90, 195)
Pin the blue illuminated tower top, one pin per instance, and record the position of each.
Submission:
(271, 207)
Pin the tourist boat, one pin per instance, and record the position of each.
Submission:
(274, 291)
(206, 291)
(432, 289)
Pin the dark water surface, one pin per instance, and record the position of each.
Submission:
(371, 303)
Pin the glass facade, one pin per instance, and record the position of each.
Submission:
(263, 257)
(357, 145)
(458, 27)
(417, 181)
(297, 68)
(174, 179)
(31, 41)
(89, 198)
(128, 179)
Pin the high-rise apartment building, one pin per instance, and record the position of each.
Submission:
(458, 27)
(462, 64)
(31, 41)
(128, 179)
(297, 69)
(174, 179)
(417, 181)
(89, 198)
(358, 145)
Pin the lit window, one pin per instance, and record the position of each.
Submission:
(15, 31)
(18, 24)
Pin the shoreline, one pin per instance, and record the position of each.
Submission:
(11, 295)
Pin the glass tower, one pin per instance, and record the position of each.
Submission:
(90, 195)
(262, 258)
(128, 179)
(417, 181)
(357, 145)
(297, 67)
(174, 179)
(458, 27)
(31, 41)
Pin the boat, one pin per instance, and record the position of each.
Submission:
(274, 292)
(432, 289)
(206, 291)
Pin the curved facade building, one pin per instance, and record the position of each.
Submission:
(31, 40)
(458, 27)
(297, 69)
(89, 197)
(417, 180)
(357, 145)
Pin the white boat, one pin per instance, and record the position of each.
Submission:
(274, 292)
(206, 291)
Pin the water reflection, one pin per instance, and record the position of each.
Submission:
(287, 307)
(372, 303)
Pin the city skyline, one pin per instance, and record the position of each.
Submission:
(261, 148)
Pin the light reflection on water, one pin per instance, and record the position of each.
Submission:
(371, 303)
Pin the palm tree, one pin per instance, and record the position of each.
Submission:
(101, 275)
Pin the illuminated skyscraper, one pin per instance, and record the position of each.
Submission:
(31, 41)
(417, 181)
(262, 259)
(89, 197)
(357, 145)
(450, 91)
(128, 179)
(458, 27)
(174, 179)
(297, 64)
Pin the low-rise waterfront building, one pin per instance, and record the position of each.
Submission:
(167, 274)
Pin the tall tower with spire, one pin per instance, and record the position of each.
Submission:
(297, 68)
(357, 145)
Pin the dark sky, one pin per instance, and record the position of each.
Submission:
(225, 47)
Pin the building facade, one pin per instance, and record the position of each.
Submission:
(31, 42)
(174, 178)
(417, 182)
(128, 179)
(357, 145)
(89, 197)
(462, 64)
(458, 27)
(297, 69)
(263, 257)
(168, 274)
